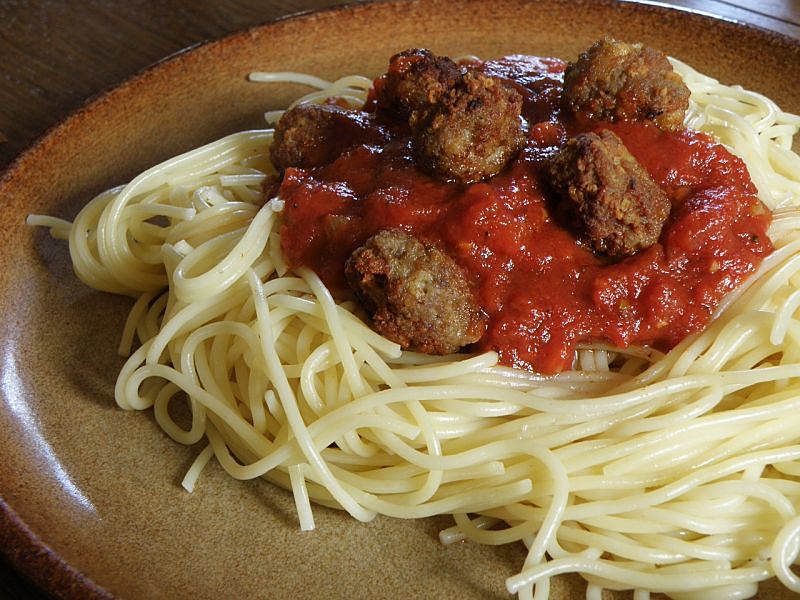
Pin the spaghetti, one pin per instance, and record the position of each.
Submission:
(676, 473)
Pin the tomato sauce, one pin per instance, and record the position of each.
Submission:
(543, 290)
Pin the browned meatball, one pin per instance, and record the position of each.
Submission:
(416, 294)
(312, 135)
(617, 81)
(472, 133)
(416, 79)
(615, 203)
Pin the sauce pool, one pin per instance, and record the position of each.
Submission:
(543, 290)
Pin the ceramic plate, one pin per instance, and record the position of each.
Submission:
(91, 497)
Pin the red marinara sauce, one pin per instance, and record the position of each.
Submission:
(543, 290)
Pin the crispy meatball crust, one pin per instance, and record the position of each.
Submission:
(312, 135)
(472, 133)
(614, 202)
(416, 294)
(416, 79)
(618, 81)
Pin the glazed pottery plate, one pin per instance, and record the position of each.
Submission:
(91, 496)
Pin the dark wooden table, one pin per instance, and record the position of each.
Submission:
(56, 53)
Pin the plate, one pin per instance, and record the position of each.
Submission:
(91, 499)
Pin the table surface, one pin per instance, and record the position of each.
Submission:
(54, 55)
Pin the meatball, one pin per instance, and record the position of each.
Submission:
(612, 199)
(416, 79)
(472, 133)
(416, 294)
(312, 135)
(617, 81)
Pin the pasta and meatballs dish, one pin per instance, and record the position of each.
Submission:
(555, 300)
